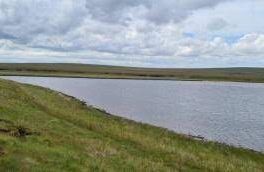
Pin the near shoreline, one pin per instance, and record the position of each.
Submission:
(73, 136)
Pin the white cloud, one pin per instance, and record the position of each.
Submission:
(139, 32)
(250, 45)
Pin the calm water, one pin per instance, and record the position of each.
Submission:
(226, 112)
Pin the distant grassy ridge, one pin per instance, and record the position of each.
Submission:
(100, 71)
(44, 130)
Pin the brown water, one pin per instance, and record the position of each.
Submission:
(227, 112)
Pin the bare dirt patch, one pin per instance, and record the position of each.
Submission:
(2, 152)
(8, 127)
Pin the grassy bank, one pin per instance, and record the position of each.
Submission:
(43, 130)
(98, 71)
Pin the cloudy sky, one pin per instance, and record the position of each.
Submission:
(150, 33)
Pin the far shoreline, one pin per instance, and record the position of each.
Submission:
(127, 78)
(236, 74)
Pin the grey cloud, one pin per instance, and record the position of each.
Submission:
(217, 24)
(131, 30)
(6, 36)
(155, 11)
(25, 19)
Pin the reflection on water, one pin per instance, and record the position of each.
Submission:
(226, 112)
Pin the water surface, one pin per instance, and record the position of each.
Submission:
(222, 111)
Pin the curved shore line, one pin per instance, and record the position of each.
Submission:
(197, 137)
(72, 136)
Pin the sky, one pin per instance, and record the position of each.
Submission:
(144, 33)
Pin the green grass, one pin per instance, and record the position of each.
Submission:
(99, 71)
(43, 130)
